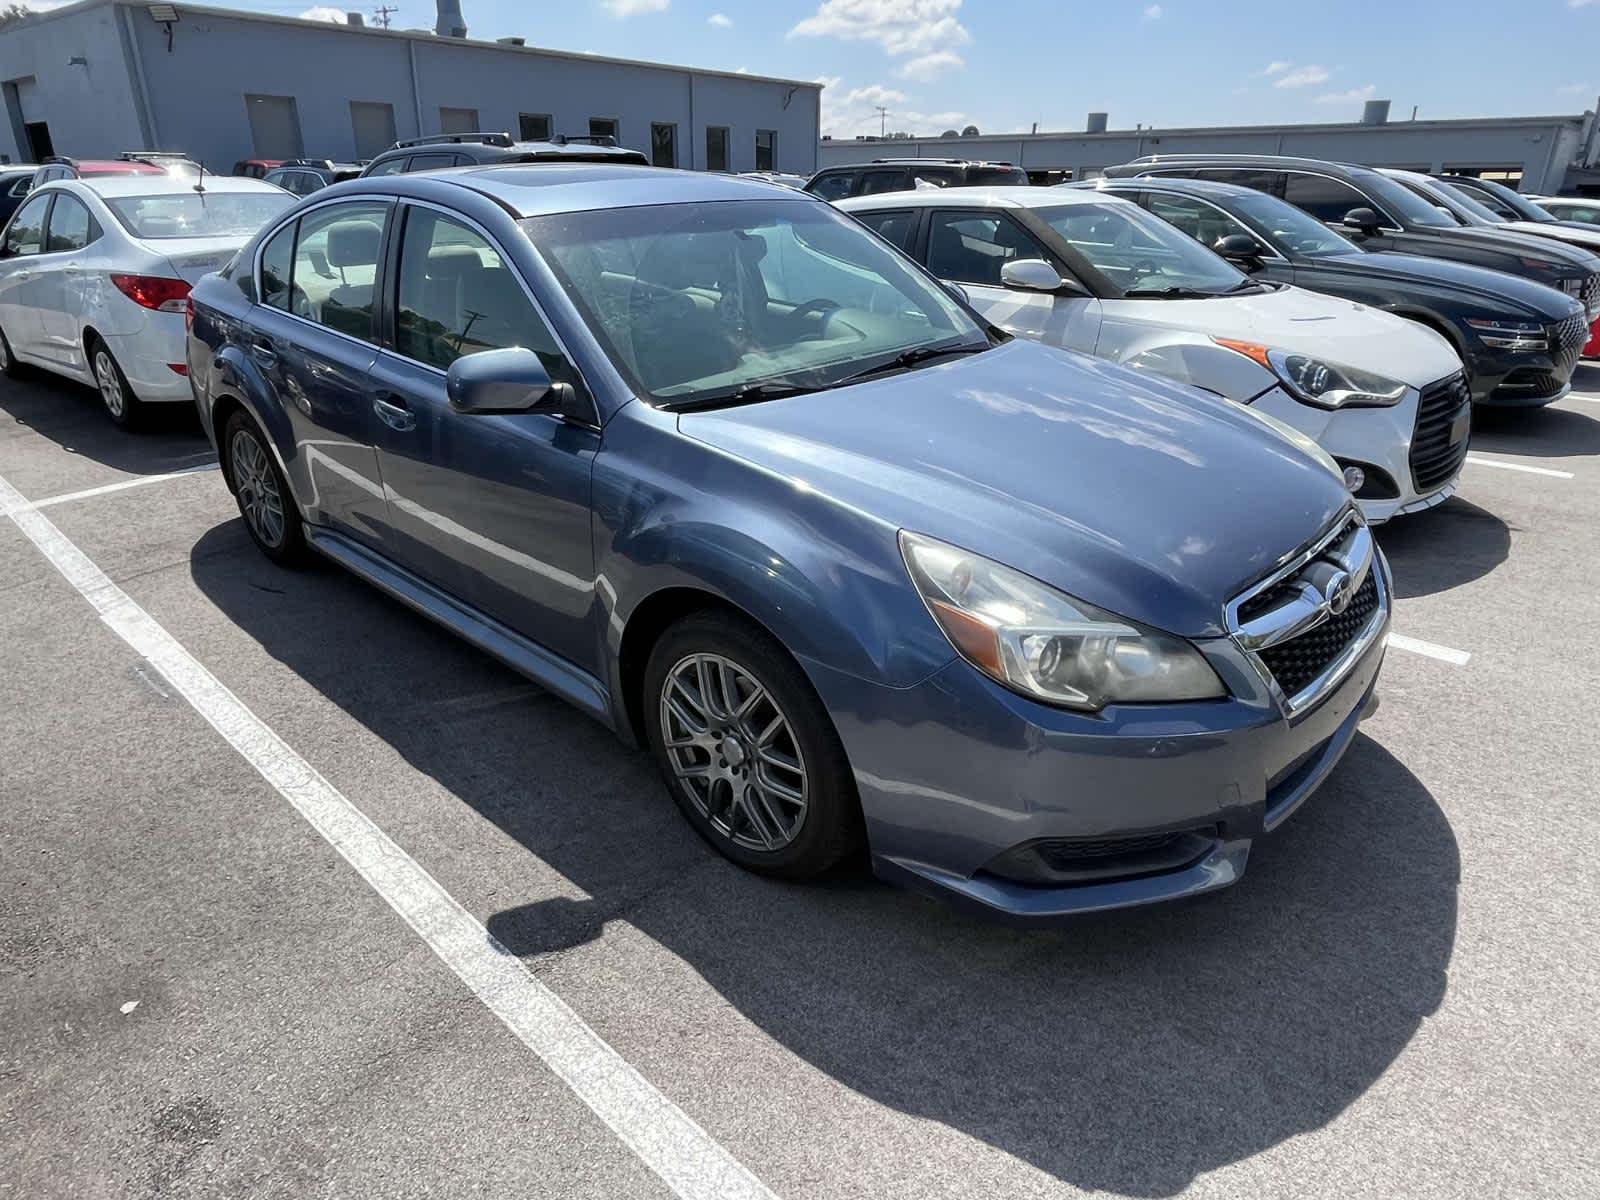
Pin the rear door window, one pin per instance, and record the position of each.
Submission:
(431, 162)
(276, 259)
(1270, 182)
(875, 182)
(336, 266)
(896, 226)
(1325, 199)
(71, 226)
(834, 186)
(391, 166)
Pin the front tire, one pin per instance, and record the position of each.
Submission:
(121, 405)
(262, 493)
(9, 366)
(747, 749)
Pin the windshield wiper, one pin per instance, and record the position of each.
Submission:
(751, 392)
(1168, 293)
(907, 359)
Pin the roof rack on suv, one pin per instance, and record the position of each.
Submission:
(56, 158)
(965, 162)
(437, 139)
(146, 155)
(584, 139)
(325, 163)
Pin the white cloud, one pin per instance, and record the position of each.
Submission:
(1302, 77)
(1153, 13)
(848, 114)
(1277, 68)
(323, 13)
(931, 66)
(1580, 3)
(1350, 97)
(720, 20)
(898, 26)
(1576, 89)
(634, 8)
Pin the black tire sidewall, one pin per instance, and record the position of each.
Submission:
(132, 407)
(13, 369)
(292, 550)
(832, 828)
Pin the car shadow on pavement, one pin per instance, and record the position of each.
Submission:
(1128, 1052)
(1444, 547)
(72, 415)
(1537, 432)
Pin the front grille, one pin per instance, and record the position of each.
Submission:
(1067, 852)
(1590, 295)
(1299, 661)
(1567, 339)
(1435, 459)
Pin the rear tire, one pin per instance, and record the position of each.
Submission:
(9, 366)
(121, 405)
(262, 493)
(747, 750)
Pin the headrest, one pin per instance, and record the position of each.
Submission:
(451, 261)
(354, 243)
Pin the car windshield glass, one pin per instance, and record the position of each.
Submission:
(1465, 207)
(694, 302)
(1297, 231)
(1140, 253)
(197, 214)
(1525, 209)
(1405, 203)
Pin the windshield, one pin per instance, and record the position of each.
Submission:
(1405, 203)
(197, 214)
(1293, 229)
(1525, 209)
(1465, 209)
(693, 302)
(1140, 253)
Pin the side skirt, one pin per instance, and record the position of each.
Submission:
(554, 674)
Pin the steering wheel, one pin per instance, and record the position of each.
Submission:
(825, 307)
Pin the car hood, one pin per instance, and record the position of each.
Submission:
(1511, 241)
(1498, 286)
(1589, 239)
(1294, 319)
(194, 257)
(1154, 501)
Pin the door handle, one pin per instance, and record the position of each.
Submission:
(392, 411)
(21, 275)
(261, 350)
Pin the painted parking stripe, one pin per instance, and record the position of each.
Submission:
(1429, 649)
(1478, 461)
(686, 1158)
(124, 485)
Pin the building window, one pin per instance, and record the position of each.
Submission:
(274, 126)
(766, 149)
(458, 120)
(716, 147)
(533, 127)
(663, 145)
(373, 124)
(604, 127)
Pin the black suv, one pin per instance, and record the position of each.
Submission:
(903, 174)
(468, 149)
(302, 176)
(1379, 213)
(1519, 340)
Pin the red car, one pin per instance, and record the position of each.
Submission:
(256, 168)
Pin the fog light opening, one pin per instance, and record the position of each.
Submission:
(1355, 479)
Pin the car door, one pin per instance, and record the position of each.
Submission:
(1329, 200)
(20, 278)
(493, 508)
(63, 276)
(312, 343)
(970, 246)
(1208, 225)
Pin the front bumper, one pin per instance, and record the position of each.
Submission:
(957, 772)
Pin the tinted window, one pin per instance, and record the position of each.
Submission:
(875, 182)
(766, 149)
(190, 214)
(276, 256)
(1270, 182)
(835, 185)
(895, 227)
(457, 296)
(534, 127)
(1588, 216)
(1325, 199)
(336, 266)
(21, 187)
(938, 176)
(994, 176)
(431, 162)
(663, 145)
(1393, 199)
(70, 226)
(26, 232)
(716, 148)
(390, 166)
(972, 247)
(1199, 220)
(1292, 229)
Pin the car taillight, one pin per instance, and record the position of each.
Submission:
(154, 291)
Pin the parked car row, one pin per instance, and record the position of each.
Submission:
(995, 539)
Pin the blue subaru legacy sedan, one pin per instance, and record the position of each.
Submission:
(731, 474)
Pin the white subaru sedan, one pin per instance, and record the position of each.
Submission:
(1386, 398)
(95, 277)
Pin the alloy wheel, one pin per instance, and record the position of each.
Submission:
(257, 488)
(5, 354)
(733, 752)
(105, 374)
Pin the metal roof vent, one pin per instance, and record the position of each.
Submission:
(1375, 112)
(355, 20)
(512, 41)
(1096, 123)
(451, 23)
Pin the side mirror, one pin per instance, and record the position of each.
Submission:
(1363, 219)
(504, 381)
(1238, 247)
(1036, 275)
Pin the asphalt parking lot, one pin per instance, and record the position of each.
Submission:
(207, 989)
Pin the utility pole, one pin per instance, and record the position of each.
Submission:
(382, 13)
(883, 121)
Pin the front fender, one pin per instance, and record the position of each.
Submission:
(1199, 362)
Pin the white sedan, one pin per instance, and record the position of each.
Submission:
(95, 277)
(1098, 274)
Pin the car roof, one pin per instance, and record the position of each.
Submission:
(530, 190)
(1015, 195)
(1264, 161)
(161, 183)
(1169, 183)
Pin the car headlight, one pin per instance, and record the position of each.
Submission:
(1509, 335)
(1316, 381)
(1045, 644)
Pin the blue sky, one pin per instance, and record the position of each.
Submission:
(1004, 64)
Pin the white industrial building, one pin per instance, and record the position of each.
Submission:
(93, 79)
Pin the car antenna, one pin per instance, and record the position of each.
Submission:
(200, 183)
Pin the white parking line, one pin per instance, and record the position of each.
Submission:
(686, 1158)
(1478, 461)
(1429, 649)
(108, 488)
